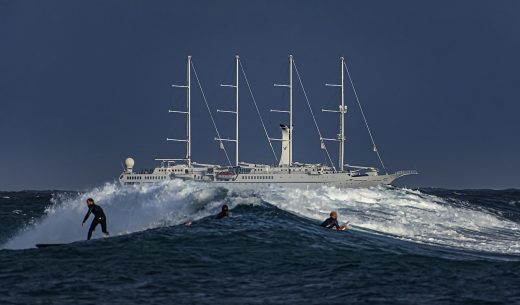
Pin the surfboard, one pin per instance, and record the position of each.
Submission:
(48, 245)
(345, 227)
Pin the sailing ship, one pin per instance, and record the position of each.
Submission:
(253, 175)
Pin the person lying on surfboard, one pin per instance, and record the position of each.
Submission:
(224, 212)
(99, 218)
(332, 222)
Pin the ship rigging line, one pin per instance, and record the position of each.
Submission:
(210, 115)
(313, 117)
(364, 118)
(258, 111)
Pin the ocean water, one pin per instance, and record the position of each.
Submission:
(405, 246)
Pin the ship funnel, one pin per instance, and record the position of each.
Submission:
(129, 162)
(284, 158)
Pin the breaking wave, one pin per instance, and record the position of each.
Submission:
(398, 213)
(406, 214)
(128, 210)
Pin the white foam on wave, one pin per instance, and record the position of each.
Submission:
(405, 214)
(400, 213)
(128, 209)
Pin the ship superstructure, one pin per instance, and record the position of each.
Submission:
(252, 175)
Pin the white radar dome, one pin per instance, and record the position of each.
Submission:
(129, 162)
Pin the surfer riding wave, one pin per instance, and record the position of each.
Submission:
(99, 218)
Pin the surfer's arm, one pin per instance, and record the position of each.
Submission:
(325, 224)
(86, 216)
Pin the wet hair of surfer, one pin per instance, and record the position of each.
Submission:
(224, 212)
(332, 222)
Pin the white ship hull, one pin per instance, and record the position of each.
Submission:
(353, 182)
(254, 177)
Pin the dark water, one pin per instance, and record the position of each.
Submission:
(270, 251)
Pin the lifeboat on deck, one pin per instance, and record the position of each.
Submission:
(226, 175)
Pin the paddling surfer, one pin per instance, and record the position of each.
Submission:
(332, 222)
(99, 218)
(224, 212)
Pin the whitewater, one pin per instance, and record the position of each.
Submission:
(396, 213)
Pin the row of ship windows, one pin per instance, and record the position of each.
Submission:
(172, 170)
(147, 177)
(256, 177)
(283, 170)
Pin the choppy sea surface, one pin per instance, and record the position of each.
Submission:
(427, 246)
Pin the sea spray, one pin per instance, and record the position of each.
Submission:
(262, 252)
(397, 213)
(128, 209)
(405, 214)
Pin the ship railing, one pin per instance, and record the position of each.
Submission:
(145, 171)
(407, 172)
(360, 167)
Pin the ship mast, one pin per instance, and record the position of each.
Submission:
(188, 114)
(188, 121)
(237, 63)
(290, 109)
(286, 159)
(236, 109)
(342, 111)
(342, 118)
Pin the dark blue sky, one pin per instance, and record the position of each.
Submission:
(84, 84)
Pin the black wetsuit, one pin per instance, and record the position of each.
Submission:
(331, 223)
(222, 214)
(99, 218)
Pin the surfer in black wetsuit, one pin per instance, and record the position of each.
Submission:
(224, 212)
(332, 222)
(99, 218)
